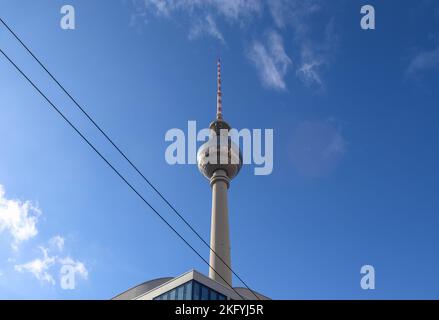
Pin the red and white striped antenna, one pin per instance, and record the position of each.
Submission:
(219, 102)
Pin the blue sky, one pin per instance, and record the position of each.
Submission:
(354, 114)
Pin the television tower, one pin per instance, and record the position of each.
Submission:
(219, 160)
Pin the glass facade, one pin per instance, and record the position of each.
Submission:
(191, 290)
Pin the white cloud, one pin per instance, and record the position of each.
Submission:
(315, 56)
(39, 267)
(45, 267)
(236, 9)
(293, 12)
(57, 242)
(424, 61)
(271, 60)
(207, 26)
(18, 218)
(231, 9)
(291, 17)
(203, 13)
(309, 70)
(78, 266)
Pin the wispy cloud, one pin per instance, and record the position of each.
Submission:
(423, 62)
(39, 267)
(290, 22)
(315, 56)
(208, 27)
(271, 60)
(48, 265)
(18, 218)
(203, 13)
(309, 70)
(57, 242)
(230, 9)
(78, 266)
(293, 13)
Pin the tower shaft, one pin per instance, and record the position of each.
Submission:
(228, 163)
(219, 233)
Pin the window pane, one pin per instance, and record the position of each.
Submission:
(180, 291)
(172, 295)
(165, 296)
(204, 293)
(213, 295)
(188, 291)
(196, 291)
(221, 296)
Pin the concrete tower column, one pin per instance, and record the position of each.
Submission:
(219, 231)
(226, 166)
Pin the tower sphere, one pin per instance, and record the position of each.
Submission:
(219, 152)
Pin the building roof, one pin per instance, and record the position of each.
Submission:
(142, 288)
(153, 288)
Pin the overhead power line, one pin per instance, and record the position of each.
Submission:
(118, 149)
(110, 165)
